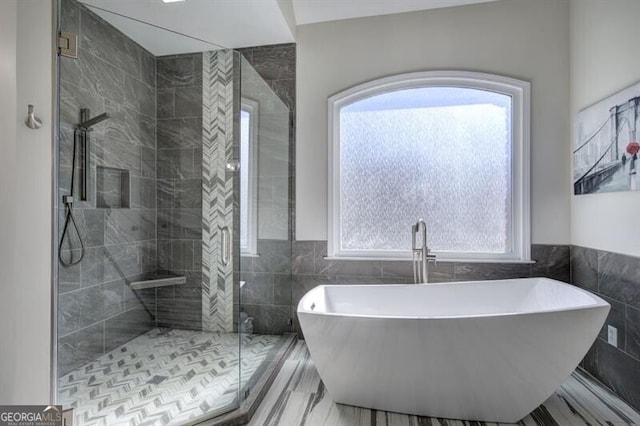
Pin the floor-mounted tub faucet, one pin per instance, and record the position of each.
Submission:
(421, 256)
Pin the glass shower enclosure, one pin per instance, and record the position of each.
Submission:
(172, 171)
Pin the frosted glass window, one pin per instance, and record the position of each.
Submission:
(248, 177)
(244, 179)
(444, 154)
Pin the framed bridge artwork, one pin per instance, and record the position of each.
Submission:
(606, 150)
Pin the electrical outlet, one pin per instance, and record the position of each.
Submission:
(612, 336)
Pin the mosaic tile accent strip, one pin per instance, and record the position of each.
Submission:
(217, 188)
(163, 378)
(298, 397)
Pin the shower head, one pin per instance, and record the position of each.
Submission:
(93, 121)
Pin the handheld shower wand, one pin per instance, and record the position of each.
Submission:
(80, 134)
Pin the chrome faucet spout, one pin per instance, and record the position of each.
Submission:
(421, 255)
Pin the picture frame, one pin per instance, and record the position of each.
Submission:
(606, 149)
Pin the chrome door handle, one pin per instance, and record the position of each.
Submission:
(225, 252)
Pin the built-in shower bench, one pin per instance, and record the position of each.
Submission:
(159, 281)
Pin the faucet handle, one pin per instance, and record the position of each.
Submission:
(431, 258)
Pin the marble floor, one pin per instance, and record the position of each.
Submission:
(164, 377)
(298, 397)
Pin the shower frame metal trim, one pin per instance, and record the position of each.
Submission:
(53, 385)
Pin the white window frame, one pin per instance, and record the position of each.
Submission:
(253, 108)
(518, 90)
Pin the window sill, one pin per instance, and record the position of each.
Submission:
(249, 255)
(406, 259)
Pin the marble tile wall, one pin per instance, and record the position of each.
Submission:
(615, 278)
(272, 152)
(267, 294)
(97, 309)
(179, 187)
(309, 268)
(154, 138)
(276, 64)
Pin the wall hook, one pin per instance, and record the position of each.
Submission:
(32, 121)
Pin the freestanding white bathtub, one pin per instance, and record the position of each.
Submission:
(484, 350)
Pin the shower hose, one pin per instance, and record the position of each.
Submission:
(68, 203)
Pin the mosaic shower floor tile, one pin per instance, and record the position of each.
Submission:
(163, 378)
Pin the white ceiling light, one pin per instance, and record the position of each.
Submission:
(172, 1)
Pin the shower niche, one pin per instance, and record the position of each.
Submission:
(112, 188)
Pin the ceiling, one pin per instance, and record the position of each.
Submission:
(223, 23)
(198, 25)
(312, 11)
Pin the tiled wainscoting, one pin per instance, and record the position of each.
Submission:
(266, 294)
(271, 297)
(309, 268)
(615, 278)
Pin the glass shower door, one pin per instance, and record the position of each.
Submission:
(145, 300)
(266, 314)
